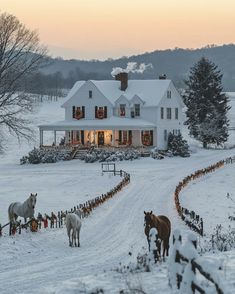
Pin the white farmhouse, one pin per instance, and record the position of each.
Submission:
(120, 112)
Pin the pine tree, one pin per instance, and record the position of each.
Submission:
(177, 145)
(207, 106)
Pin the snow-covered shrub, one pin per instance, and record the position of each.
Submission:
(222, 240)
(109, 155)
(37, 156)
(177, 145)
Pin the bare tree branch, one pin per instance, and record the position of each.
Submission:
(21, 56)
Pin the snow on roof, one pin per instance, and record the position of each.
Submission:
(93, 124)
(74, 89)
(150, 91)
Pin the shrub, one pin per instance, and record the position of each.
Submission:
(178, 146)
(37, 156)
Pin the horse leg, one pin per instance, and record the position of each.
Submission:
(74, 237)
(78, 232)
(68, 232)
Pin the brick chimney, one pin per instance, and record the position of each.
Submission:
(162, 77)
(123, 78)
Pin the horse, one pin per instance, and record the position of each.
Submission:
(25, 209)
(163, 226)
(73, 223)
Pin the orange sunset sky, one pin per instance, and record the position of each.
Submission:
(99, 29)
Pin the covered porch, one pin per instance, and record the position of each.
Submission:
(113, 131)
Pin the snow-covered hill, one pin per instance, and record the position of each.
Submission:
(44, 263)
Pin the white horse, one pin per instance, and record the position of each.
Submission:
(25, 209)
(73, 223)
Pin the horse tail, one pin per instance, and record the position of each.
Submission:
(10, 212)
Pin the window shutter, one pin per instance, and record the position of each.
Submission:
(73, 111)
(83, 111)
(96, 108)
(105, 112)
(130, 136)
(82, 137)
(151, 137)
(120, 137)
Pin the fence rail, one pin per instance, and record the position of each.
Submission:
(56, 220)
(191, 219)
(185, 266)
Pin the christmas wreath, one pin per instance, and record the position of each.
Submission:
(100, 113)
(78, 113)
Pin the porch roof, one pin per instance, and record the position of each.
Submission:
(112, 123)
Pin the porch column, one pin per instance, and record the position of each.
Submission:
(94, 136)
(41, 137)
(113, 137)
(55, 138)
(141, 138)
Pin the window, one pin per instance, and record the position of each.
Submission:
(168, 113)
(168, 94)
(162, 113)
(90, 94)
(165, 135)
(176, 113)
(137, 109)
(122, 109)
(100, 112)
(79, 112)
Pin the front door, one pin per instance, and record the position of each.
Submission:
(100, 138)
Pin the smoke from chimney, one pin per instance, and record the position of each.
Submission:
(131, 67)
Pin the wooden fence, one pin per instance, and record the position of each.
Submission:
(56, 220)
(185, 266)
(191, 219)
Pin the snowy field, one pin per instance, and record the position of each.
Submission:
(44, 263)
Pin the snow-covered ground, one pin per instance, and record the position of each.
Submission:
(44, 263)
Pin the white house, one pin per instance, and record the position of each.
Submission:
(120, 112)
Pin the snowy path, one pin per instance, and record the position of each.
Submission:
(43, 262)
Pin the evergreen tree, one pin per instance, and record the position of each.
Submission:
(177, 145)
(207, 106)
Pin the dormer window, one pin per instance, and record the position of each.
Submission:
(168, 94)
(122, 110)
(137, 109)
(90, 94)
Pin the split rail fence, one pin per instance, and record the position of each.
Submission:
(191, 219)
(57, 220)
(187, 269)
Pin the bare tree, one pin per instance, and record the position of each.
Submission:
(21, 55)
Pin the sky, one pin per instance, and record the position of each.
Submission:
(101, 29)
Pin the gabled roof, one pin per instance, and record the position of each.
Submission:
(149, 91)
(73, 91)
(122, 97)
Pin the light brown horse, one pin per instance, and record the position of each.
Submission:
(163, 226)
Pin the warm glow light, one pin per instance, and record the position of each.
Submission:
(106, 28)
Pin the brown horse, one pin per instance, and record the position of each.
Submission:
(163, 226)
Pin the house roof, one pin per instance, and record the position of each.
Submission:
(150, 91)
(111, 123)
